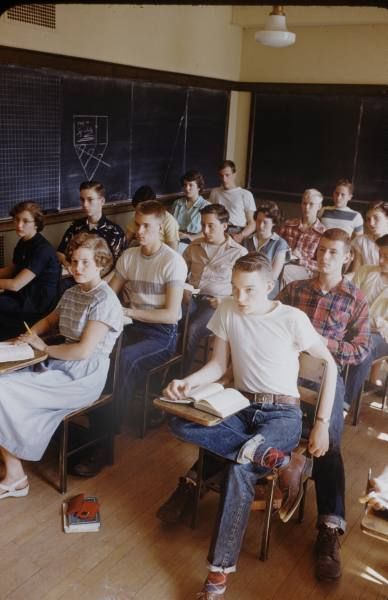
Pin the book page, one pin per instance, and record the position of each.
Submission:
(13, 352)
(201, 391)
(224, 403)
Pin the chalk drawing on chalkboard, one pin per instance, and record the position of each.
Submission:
(90, 140)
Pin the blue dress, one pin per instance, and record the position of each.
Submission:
(34, 401)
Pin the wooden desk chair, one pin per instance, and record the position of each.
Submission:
(373, 390)
(311, 375)
(373, 523)
(107, 398)
(146, 395)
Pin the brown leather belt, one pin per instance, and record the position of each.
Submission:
(265, 398)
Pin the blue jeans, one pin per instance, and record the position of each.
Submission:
(200, 313)
(266, 426)
(358, 373)
(145, 346)
(328, 470)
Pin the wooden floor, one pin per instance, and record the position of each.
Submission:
(135, 557)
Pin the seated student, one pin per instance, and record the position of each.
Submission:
(339, 312)
(34, 401)
(365, 250)
(149, 279)
(209, 259)
(265, 240)
(239, 202)
(373, 281)
(169, 232)
(187, 210)
(302, 236)
(30, 285)
(340, 215)
(92, 198)
(263, 338)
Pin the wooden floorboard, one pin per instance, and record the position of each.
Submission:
(135, 557)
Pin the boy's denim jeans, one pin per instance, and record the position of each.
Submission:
(145, 346)
(269, 426)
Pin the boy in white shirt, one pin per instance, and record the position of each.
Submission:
(239, 203)
(263, 338)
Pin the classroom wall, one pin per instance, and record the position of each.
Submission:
(195, 40)
(353, 54)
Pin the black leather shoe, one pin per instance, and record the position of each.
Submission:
(178, 503)
(89, 466)
(328, 555)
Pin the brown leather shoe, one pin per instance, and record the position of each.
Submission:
(291, 479)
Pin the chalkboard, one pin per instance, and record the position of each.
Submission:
(58, 129)
(300, 141)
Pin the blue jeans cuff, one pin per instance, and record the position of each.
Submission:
(248, 450)
(225, 570)
(339, 522)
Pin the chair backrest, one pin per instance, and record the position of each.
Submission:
(186, 303)
(311, 376)
(113, 373)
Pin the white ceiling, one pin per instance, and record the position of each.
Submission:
(253, 16)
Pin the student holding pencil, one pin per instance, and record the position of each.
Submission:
(33, 401)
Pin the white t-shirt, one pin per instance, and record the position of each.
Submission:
(236, 201)
(265, 348)
(369, 280)
(344, 218)
(147, 277)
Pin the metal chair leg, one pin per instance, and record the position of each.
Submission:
(357, 407)
(63, 449)
(266, 529)
(197, 492)
(302, 503)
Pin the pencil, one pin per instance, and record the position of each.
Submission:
(27, 327)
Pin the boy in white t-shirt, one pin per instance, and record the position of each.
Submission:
(263, 338)
(239, 203)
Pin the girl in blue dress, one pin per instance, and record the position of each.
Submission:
(34, 401)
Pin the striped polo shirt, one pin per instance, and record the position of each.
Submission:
(148, 277)
(344, 218)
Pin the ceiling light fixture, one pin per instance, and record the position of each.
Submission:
(275, 33)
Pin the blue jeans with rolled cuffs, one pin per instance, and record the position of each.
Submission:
(259, 425)
(328, 470)
(145, 346)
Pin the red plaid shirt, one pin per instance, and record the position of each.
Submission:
(341, 316)
(305, 241)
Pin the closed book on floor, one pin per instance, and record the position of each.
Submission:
(76, 524)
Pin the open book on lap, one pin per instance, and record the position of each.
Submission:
(10, 352)
(214, 399)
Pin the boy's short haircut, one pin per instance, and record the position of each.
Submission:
(151, 207)
(313, 192)
(337, 235)
(271, 210)
(227, 163)
(216, 209)
(345, 183)
(254, 261)
(33, 208)
(196, 176)
(101, 252)
(378, 205)
(93, 185)
(143, 193)
(382, 242)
